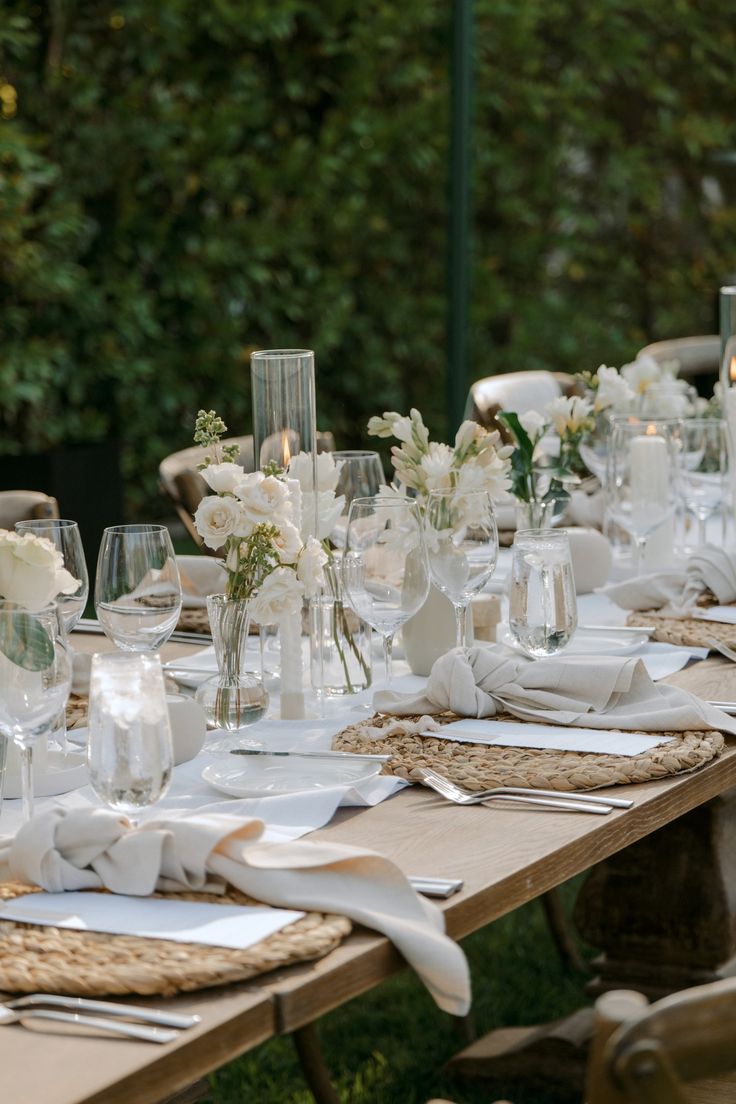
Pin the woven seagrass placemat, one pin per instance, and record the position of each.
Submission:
(194, 620)
(35, 959)
(479, 767)
(689, 632)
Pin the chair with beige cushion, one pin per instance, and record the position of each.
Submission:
(25, 506)
(516, 391)
(185, 487)
(698, 358)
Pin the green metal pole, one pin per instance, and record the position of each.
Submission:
(459, 228)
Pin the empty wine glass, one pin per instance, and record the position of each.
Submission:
(361, 476)
(703, 468)
(64, 535)
(35, 676)
(542, 604)
(129, 750)
(642, 479)
(137, 589)
(462, 547)
(384, 569)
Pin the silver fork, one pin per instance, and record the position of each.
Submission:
(718, 646)
(549, 799)
(87, 1025)
(124, 1011)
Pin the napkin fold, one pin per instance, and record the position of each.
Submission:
(200, 576)
(674, 592)
(78, 849)
(591, 691)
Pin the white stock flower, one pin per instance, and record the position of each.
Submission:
(568, 414)
(218, 518)
(302, 467)
(613, 390)
(288, 543)
(641, 373)
(32, 571)
(310, 568)
(466, 435)
(222, 478)
(437, 466)
(279, 595)
(532, 422)
(264, 498)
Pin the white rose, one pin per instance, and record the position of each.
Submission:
(302, 467)
(280, 595)
(217, 519)
(288, 543)
(222, 478)
(264, 498)
(310, 568)
(533, 423)
(32, 571)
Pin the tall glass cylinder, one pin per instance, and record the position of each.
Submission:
(728, 382)
(284, 410)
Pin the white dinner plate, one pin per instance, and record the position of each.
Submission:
(65, 771)
(272, 775)
(611, 642)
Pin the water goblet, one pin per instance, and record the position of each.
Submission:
(703, 468)
(137, 588)
(64, 535)
(361, 476)
(385, 573)
(542, 603)
(129, 749)
(35, 677)
(462, 547)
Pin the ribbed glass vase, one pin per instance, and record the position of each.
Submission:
(235, 697)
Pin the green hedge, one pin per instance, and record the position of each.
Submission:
(181, 183)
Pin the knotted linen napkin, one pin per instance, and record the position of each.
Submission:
(675, 592)
(604, 692)
(73, 849)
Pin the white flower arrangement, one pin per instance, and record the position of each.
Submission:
(260, 521)
(32, 571)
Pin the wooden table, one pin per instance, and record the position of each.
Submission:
(508, 856)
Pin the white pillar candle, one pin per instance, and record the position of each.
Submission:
(292, 686)
(729, 406)
(295, 498)
(651, 473)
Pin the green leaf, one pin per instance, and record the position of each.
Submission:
(26, 642)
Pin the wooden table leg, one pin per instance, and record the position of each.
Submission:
(313, 1065)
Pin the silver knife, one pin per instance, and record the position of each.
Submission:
(105, 1008)
(311, 754)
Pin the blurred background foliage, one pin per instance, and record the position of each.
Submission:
(181, 183)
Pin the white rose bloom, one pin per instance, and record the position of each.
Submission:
(533, 423)
(32, 571)
(310, 568)
(222, 478)
(613, 390)
(641, 373)
(288, 543)
(279, 595)
(437, 465)
(264, 498)
(302, 468)
(217, 519)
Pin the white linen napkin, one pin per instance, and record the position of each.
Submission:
(63, 850)
(674, 592)
(591, 691)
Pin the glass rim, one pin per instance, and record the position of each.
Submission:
(540, 534)
(384, 500)
(354, 453)
(282, 354)
(137, 527)
(124, 659)
(50, 523)
(457, 491)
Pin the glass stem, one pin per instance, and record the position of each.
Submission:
(701, 530)
(640, 548)
(460, 626)
(388, 643)
(26, 780)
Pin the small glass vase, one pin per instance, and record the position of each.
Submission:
(339, 647)
(234, 697)
(534, 514)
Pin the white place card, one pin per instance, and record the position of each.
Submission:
(725, 615)
(234, 926)
(556, 737)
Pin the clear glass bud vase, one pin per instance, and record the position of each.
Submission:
(534, 514)
(234, 697)
(340, 647)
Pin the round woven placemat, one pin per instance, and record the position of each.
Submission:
(36, 959)
(76, 710)
(194, 620)
(689, 632)
(479, 767)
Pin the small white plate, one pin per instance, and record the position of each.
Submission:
(599, 642)
(65, 771)
(272, 775)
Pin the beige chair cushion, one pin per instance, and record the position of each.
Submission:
(517, 392)
(24, 506)
(698, 356)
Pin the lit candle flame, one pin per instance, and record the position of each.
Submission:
(651, 430)
(285, 450)
(732, 369)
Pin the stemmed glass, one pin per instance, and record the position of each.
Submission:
(137, 589)
(384, 569)
(703, 468)
(542, 604)
(642, 478)
(35, 676)
(65, 536)
(462, 547)
(361, 476)
(129, 750)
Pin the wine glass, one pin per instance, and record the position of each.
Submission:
(137, 589)
(703, 468)
(385, 573)
(542, 604)
(35, 676)
(64, 535)
(129, 749)
(642, 478)
(462, 547)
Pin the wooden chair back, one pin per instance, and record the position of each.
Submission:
(698, 357)
(26, 506)
(184, 486)
(516, 391)
(647, 1054)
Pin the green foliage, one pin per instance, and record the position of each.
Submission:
(182, 183)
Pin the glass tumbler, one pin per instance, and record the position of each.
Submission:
(542, 605)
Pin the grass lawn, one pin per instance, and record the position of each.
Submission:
(389, 1046)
